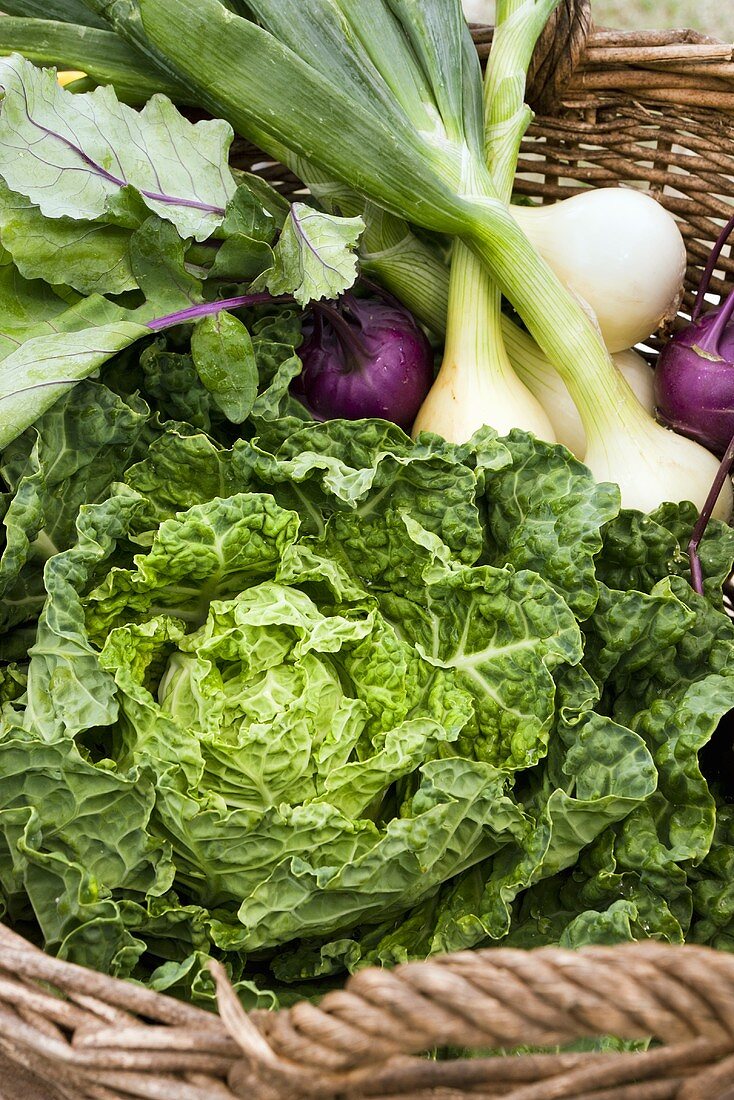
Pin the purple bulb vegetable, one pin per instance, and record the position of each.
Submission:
(364, 357)
(694, 390)
(694, 378)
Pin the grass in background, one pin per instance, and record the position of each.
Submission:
(714, 17)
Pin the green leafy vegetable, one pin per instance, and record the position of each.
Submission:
(225, 362)
(78, 156)
(90, 257)
(315, 255)
(38, 373)
(69, 458)
(310, 695)
(352, 738)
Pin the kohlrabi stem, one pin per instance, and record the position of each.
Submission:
(727, 463)
(709, 270)
(341, 327)
(206, 309)
(711, 341)
(379, 291)
(413, 272)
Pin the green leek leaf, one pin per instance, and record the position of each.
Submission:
(378, 150)
(99, 53)
(437, 31)
(68, 11)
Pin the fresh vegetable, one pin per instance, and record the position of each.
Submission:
(364, 358)
(694, 391)
(694, 546)
(694, 378)
(405, 86)
(133, 231)
(388, 724)
(543, 381)
(619, 251)
(476, 385)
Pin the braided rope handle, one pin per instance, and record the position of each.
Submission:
(106, 1039)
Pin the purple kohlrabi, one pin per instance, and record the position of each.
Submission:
(364, 357)
(694, 390)
(694, 378)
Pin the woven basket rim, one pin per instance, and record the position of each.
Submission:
(78, 1030)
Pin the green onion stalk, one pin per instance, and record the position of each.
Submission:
(476, 384)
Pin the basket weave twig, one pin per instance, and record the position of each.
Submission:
(653, 110)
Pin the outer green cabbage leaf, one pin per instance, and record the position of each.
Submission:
(213, 551)
(362, 482)
(546, 512)
(68, 691)
(673, 695)
(180, 471)
(597, 773)
(713, 887)
(172, 386)
(640, 550)
(74, 835)
(69, 458)
(354, 483)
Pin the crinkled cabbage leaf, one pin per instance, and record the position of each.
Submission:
(325, 697)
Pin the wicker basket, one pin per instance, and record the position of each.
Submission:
(652, 110)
